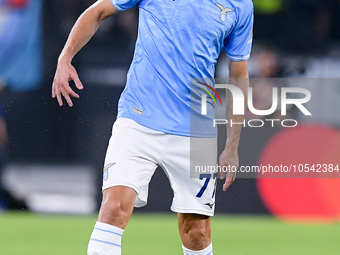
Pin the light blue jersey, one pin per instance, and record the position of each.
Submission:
(180, 40)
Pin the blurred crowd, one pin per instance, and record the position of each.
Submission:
(294, 25)
(298, 25)
(20, 44)
(126, 22)
(32, 33)
(3, 149)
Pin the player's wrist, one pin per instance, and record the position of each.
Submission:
(64, 60)
(65, 56)
(231, 150)
(231, 145)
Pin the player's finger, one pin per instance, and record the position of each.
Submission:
(71, 92)
(230, 178)
(77, 81)
(222, 175)
(227, 183)
(53, 92)
(67, 98)
(60, 100)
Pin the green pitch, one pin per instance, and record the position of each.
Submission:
(30, 234)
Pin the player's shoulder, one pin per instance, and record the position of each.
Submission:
(244, 5)
(242, 8)
(249, 5)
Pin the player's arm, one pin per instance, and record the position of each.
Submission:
(238, 76)
(85, 27)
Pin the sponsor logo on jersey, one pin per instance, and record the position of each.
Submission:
(137, 110)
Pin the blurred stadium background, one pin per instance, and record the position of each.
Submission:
(51, 158)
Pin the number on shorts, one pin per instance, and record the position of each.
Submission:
(205, 185)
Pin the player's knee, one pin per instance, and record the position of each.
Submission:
(197, 233)
(112, 212)
(196, 237)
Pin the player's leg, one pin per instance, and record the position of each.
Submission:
(194, 196)
(129, 166)
(114, 214)
(117, 206)
(195, 232)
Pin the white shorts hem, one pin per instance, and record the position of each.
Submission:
(139, 202)
(129, 185)
(194, 211)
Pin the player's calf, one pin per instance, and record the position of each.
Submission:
(195, 231)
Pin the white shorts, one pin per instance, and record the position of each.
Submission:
(134, 153)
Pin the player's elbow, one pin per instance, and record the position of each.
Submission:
(102, 15)
(101, 10)
(238, 69)
(95, 14)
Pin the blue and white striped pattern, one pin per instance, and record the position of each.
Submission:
(105, 239)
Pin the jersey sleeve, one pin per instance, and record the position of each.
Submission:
(239, 43)
(122, 5)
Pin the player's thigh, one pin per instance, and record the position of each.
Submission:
(193, 193)
(131, 158)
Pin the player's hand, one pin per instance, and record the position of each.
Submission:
(230, 162)
(61, 87)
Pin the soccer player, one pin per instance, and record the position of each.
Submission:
(177, 41)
